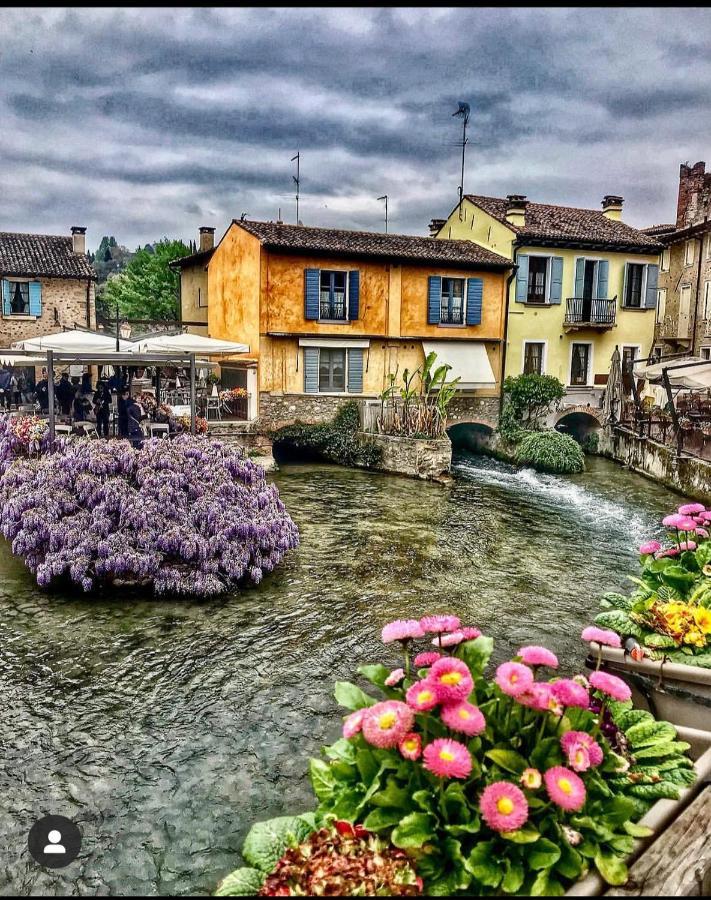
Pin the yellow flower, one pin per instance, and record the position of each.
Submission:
(695, 638)
(703, 619)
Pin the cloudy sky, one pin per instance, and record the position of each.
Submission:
(145, 123)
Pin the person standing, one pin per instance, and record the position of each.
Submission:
(5, 388)
(42, 392)
(21, 388)
(65, 394)
(122, 408)
(102, 407)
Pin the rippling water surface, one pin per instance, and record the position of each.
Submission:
(166, 728)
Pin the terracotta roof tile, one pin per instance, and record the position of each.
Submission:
(202, 256)
(42, 254)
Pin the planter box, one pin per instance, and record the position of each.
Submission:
(661, 815)
(426, 458)
(671, 691)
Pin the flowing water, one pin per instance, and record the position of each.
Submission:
(166, 728)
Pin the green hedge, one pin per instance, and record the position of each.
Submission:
(550, 451)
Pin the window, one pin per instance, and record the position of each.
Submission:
(634, 286)
(656, 354)
(580, 364)
(452, 303)
(665, 260)
(332, 371)
(629, 355)
(19, 298)
(537, 278)
(332, 295)
(200, 303)
(661, 304)
(707, 300)
(689, 253)
(708, 246)
(706, 353)
(533, 358)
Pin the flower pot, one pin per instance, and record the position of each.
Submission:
(673, 692)
(663, 813)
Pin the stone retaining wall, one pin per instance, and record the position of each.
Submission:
(277, 410)
(240, 434)
(477, 409)
(426, 458)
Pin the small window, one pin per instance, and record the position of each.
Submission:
(629, 355)
(665, 260)
(19, 298)
(661, 304)
(452, 304)
(332, 371)
(533, 358)
(333, 295)
(706, 353)
(633, 289)
(689, 253)
(537, 278)
(201, 299)
(580, 364)
(707, 300)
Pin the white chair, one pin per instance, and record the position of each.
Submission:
(88, 429)
(213, 404)
(159, 429)
(62, 429)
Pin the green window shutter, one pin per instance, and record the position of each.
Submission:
(522, 280)
(650, 297)
(603, 277)
(6, 308)
(35, 298)
(556, 279)
(434, 299)
(311, 370)
(355, 371)
(311, 293)
(579, 276)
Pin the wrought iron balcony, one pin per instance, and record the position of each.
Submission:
(334, 311)
(581, 312)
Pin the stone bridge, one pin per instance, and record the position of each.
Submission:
(594, 412)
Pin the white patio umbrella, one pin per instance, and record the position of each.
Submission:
(188, 343)
(73, 341)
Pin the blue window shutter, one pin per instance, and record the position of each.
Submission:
(434, 299)
(35, 298)
(353, 295)
(556, 279)
(650, 297)
(603, 275)
(522, 280)
(475, 293)
(579, 276)
(311, 370)
(311, 293)
(6, 308)
(355, 371)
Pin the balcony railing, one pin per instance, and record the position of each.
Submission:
(333, 311)
(595, 313)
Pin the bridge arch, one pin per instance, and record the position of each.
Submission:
(579, 421)
(471, 434)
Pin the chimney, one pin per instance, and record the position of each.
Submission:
(78, 239)
(207, 238)
(516, 209)
(612, 207)
(694, 188)
(435, 225)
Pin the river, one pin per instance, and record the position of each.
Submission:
(166, 728)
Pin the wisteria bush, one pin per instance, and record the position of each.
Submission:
(188, 516)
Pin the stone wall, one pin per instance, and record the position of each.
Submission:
(65, 295)
(277, 410)
(240, 434)
(477, 409)
(426, 458)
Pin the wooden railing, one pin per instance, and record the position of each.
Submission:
(596, 312)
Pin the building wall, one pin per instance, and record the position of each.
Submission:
(67, 296)
(478, 226)
(193, 296)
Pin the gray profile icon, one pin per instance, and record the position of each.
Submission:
(54, 837)
(54, 841)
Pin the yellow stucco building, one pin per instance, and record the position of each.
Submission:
(586, 283)
(328, 314)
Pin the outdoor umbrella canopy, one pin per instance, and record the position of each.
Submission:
(188, 343)
(73, 341)
(653, 372)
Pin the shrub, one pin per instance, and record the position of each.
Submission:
(591, 443)
(527, 399)
(550, 451)
(189, 516)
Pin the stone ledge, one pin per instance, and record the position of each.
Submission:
(429, 459)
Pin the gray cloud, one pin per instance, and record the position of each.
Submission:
(143, 123)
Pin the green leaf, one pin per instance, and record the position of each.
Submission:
(546, 753)
(483, 865)
(456, 803)
(351, 696)
(611, 867)
(266, 842)
(476, 654)
(525, 835)
(508, 759)
(379, 819)
(618, 810)
(393, 795)
(678, 577)
(545, 886)
(375, 674)
(658, 641)
(413, 831)
(472, 827)
(242, 882)
(543, 854)
(638, 831)
(646, 733)
(425, 800)
(513, 876)
(322, 778)
(571, 863)
(343, 750)
(368, 766)
(659, 750)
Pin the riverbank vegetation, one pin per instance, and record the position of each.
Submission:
(417, 405)
(337, 441)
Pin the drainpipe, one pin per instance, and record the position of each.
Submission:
(509, 282)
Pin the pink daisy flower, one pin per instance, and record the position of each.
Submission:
(672, 551)
(571, 740)
(702, 533)
(452, 680)
(395, 677)
(650, 547)
(387, 723)
(673, 520)
(422, 695)
(691, 509)
(353, 724)
(687, 545)
(686, 523)
(705, 515)
(611, 685)
(470, 633)
(538, 656)
(449, 640)
(439, 624)
(464, 717)
(411, 746)
(570, 693)
(601, 636)
(565, 788)
(503, 806)
(514, 678)
(531, 779)
(446, 758)
(402, 630)
(425, 660)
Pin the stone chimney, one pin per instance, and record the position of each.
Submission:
(435, 225)
(612, 207)
(516, 209)
(694, 202)
(207, 238)
(78, 239)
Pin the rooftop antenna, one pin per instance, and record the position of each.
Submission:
(463, 113)
(385, 198)
(297, 182)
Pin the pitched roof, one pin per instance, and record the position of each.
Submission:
(568, 224)
(339, 242)
(42, 254)
(657, 230)
(195, 259)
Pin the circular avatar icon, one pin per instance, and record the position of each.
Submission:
(54, 841)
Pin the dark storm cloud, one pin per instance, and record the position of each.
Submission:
(152, 122)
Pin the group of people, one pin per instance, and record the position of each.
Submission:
(15, 387)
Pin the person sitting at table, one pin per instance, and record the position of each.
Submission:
(64, 393)
(102, 407)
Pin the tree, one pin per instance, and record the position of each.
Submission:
(148, 287)
(527, 399)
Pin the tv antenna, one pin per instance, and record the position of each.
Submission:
(463, 113)
(297, 182)
(385, 198)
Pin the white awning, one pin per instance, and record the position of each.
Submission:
(685, 372)
(73, 341)
(8, 358)
(468, 359)
(188, 343)
(338, 343)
